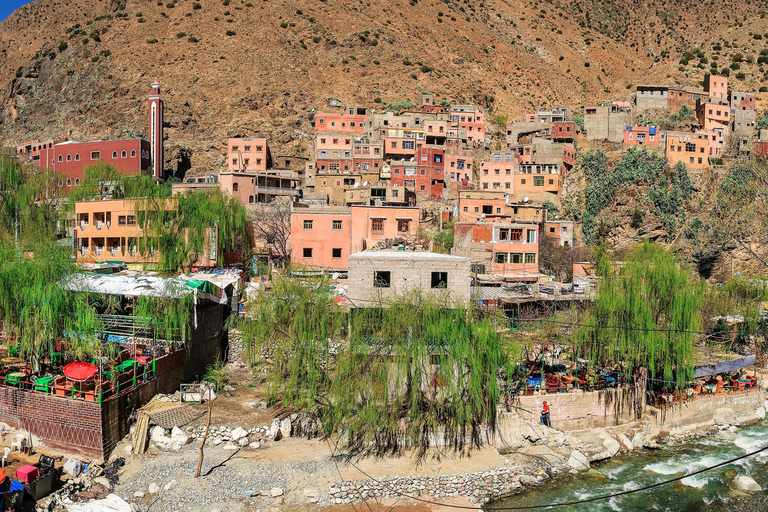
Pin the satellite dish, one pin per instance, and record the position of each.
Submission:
(525, 200)
(357, 184)
(365, 183)
(411, 159)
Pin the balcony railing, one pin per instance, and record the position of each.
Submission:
(99, 250)
(83, 225)
(99, 224)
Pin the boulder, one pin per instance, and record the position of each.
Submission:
(275, 492)
(153, 488)
(243, 442)
(238, 434)
(625, 442)
(638, 441)
(611, 445)
(286, 428)
(760, 413)
(128, 449)
(231, 446)
(745, 484)
(724, 416)
(274, 430)
(157, 433)
(578, 461)
(169, 485)
(528, 480)
(179, 437)
(103, 481)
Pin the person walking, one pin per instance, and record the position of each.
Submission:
(545, 415)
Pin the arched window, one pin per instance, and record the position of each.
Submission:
(114, 154)
(69, 158)
(53, 192)
(123, 154)
(61, 158)
(234, 187)
(77, 181)
(77, 157)
(133, 153)
(250, 199)
(69, 182)
(61, 183)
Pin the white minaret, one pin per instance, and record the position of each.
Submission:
(156, 132)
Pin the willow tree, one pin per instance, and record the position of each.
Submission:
(403, 374)
(186, 226)
(647, 314)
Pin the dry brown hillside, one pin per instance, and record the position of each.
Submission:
(246, 67)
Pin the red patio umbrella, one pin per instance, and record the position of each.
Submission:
(80, 372)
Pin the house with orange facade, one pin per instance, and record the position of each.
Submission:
(643, 135)
(690, 148)
(505, 249)
(110, 232)
(351, 120)
(478, 204)
(716, 87)
(714, 116)
(324, 237)
(260, 186)
(248, 154)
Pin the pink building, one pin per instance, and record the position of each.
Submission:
(714, 116)
(509, 249)
(260, 186)
(248, 154)
(477, 204)
(499, 172)
(324, 237)
(349, 121)
(473, 120)
(716, 87)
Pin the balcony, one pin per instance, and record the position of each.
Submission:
(99, 250)
(83, 225)
(99, 224)
(114, 250)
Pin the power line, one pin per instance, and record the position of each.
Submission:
(570, 503)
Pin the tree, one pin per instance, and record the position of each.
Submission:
(645, 315)
(216, 379)
(272, 227)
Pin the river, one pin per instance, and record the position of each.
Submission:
(707, 491)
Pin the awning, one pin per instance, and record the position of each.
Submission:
(724, 366)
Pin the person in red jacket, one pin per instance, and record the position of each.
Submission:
(545, 415)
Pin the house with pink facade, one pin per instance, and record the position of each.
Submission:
(498, 173)
(472, 119)
(248, 154)
(323, 237)
(351, 121)
(643, 135)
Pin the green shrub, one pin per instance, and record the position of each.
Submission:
(425, 69)
(95, 58)
(740, 76)
(106, 53)
(179, 35)
(406, 62)
(151, 41)
(230, 32)
(19, 72)
(283, 25)
(763, 89)
(376, 62)
(196, 6)
(192, 39)
(63, 46)
(299, 12)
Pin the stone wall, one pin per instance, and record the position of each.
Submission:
(733, 408)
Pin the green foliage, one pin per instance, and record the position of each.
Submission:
(443, 241)
(399, 105)
(762, 123)
(410, 371)
(637, 219)
(171, 316)
(684, 113)
(650, 292)
(63, 46)
(578, 117)
(500, 120)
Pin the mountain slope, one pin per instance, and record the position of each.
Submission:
(237, 67)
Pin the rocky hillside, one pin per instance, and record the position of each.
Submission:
(81, 68)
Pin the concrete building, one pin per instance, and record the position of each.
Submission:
(477, 204)
(560, 230)
(690, 148)
(260, 186)
(351, 121)
(607, 122)
(713, 116)
(248, 154)
(471, 119)
(503, 248)
(716, 87)
(377, 276)
(498, 172)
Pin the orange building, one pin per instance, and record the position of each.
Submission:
(509, 249)
(350, 121)
(109, 231)
(260, 187)
(716, 87)
(642, 135)
(248, 154)
(713, 116)
(690, 148)
(477, 204)
(471, 119)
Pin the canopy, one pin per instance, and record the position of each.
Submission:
(724, 366)
(80, 372)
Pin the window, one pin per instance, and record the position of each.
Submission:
(530, 258)
(336, 253)
(307, 252)
(131, 220)
(407, 144)
(507, 185)
(377, 225)
(250, 199)
(516, 257)
(121, 220)
(235, 187)
(538, 181)
(502, 257)
(551, 181)
(337, 225)
(439, 279)
(522, 181)
(95, 155)
(61, 158)
(531, 236)
(234, 148)
(382, 279)
(551, 230)
(69, 182)
(487, 209)
(77, 157)
(308, 225)
(515, 235)
(477, 209)
(124, 154)
(114, 154)
(403, 225)
(69, 158)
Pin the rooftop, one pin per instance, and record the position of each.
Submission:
(394, 254)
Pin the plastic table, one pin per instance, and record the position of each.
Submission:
(125, 365)
(27, 474)
(15, 378)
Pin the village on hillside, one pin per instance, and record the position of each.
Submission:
(415, 280)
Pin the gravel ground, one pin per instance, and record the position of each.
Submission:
(225, 476)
